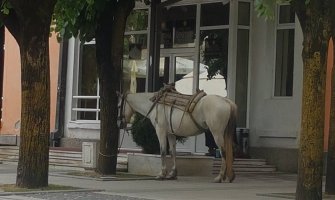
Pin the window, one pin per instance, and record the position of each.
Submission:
(214, 51)
(178, 26)
(135, 52)
(86, 102)
(214, 14)
(242, 62)
(284, 61)
(86, 98)
(214, 36)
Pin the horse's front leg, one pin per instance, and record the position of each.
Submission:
(161, 134)
(172, 143)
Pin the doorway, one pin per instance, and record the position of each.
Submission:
(175, 64)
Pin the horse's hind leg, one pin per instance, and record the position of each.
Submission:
(222, 174)
(228, 141)
(161, 134)
(172, 143)
(220, 143)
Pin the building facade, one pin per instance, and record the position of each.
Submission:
(11, 87)
(259, 60)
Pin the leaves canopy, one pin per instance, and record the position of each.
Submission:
(72, 17)
(78, 18)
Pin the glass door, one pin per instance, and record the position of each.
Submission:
(183, 73)
(175, 66)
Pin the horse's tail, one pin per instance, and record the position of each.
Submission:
(229, 139)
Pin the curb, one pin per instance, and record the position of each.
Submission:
(103, 178)
(49, 191)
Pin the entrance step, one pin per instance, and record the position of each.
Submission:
(245, 165)
(72, 158)
(58, 157)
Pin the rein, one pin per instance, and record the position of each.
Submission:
(122, 117)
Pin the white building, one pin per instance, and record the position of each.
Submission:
(260, 60)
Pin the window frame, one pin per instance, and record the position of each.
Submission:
(75, 109)
(281, 26)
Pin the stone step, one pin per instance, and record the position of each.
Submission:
(244, 165)
(248, 161)
(59, 157)
(73, 158)
(250, 170)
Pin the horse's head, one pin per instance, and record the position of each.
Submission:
(125, 110)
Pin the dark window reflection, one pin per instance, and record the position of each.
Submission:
(284, 63)
(178, 26)
(134, 62)
(137, 20)
(214, 14)
(214, 51)
(244, 13)
(286, 14)
(87, 81)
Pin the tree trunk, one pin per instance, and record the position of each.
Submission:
(310, 162)
(29, 23)
(32, 170)
(330, 178)
(109, 75)
(107, 158)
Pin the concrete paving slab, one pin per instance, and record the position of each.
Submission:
(245, 187)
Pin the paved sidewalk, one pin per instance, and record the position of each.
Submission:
(245, 187)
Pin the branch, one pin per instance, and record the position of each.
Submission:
(14, 3)
(12, 23)
(300, 9)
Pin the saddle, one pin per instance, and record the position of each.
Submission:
(168, 95)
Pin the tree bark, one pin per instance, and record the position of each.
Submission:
(29, 23)
(310, 162)
(330, 178)
(32, 171)
(109, 75)
(107, 160)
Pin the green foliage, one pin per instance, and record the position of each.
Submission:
(5, 7)
(72, 17)
(217, 60)
(265, 8)
(78, 18)
(137, 20)
(144, 135)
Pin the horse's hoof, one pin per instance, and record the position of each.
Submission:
(218, 179)
(159, 178)
(171, 178)
(172, 175)
(231, 179)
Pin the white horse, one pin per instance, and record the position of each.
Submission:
(212, 112)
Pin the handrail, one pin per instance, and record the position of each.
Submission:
(86, 97)
(86, 109)
(83, 109)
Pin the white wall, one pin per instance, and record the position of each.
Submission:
(274, 122)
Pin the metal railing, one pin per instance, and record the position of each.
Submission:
(80, 111)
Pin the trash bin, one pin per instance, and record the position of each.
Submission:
(242, 136)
